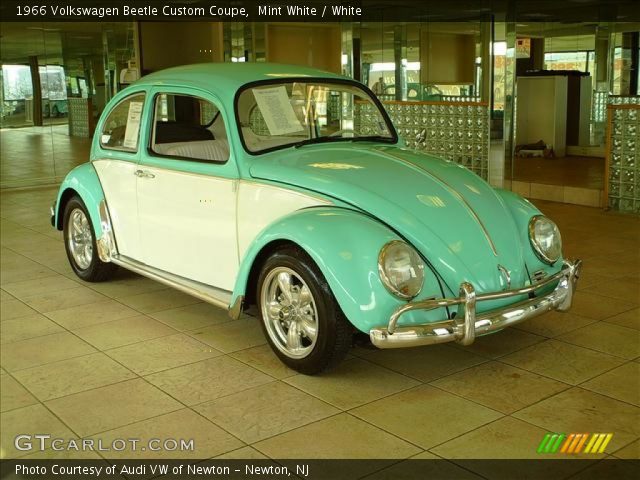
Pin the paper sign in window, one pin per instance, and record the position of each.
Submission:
(277, 110)
(133, 125)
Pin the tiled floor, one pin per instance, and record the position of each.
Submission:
(39, 155)
(131, 358)
(574, 171)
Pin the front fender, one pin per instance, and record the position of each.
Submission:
(345, 245)
(84, 181)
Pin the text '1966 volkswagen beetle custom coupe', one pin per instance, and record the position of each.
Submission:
(255, 184)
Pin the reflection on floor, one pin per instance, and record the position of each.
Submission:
(572, 179)
(131, 358)
(585, 172)
(39, 155)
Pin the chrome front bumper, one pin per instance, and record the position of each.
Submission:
(466, 325)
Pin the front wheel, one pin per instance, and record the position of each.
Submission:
(300, 316)
(80, 244)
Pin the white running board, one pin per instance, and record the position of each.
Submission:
(215, 296)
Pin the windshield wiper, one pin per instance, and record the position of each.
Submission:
(310, 141)
(372, 138)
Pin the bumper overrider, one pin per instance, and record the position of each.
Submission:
(467, 325)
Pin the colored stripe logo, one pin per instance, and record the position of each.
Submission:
(574, 443)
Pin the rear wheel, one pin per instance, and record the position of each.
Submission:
(300, 316)
(80, 244)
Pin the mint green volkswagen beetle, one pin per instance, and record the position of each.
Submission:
(252, 184)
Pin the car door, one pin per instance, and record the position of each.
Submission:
(116, 161)
(186, 189)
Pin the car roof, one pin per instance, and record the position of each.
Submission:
(229, 77)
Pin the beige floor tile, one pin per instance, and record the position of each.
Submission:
(353, 383)
(562, 361)
(500, 387)
(113, 406)
(605, 337)
(265, 411)
(244, 453)
(598, 307)
(423, 415)
(5, 296)
(163, 353)
(263, 358)
(125, 284)
(13, 395)
(73, 376)
(91, 314)
(629, 319)
(579, 410)
(423, 363)
(25, 270)
(208, 379)
(208, 439)
(158, 300)
(72, 297)
(630, 452)
(192, 317)
(10, 309)
(64, 454)
(42, 350)
(245, 332)
(618, 289)
(27, 327)
(505, 438)
(501, 343)
(31, 420)
(553, 324)
(123, 332)
(38, 286)
(622, 383)
(341, 436)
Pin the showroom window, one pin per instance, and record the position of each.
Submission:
(121, 130)
(190, 128)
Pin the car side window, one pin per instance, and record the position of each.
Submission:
(121, 129)
(189, 128)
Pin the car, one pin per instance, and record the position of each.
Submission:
(252, 186)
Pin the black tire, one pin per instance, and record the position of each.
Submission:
(334, 333)
(96, 270)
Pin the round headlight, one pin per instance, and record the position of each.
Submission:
(401, 269)
(545, 239)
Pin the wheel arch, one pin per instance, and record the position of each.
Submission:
(82, 181)
(344, 244)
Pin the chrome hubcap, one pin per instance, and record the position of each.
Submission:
(289, 312)
(80, 239)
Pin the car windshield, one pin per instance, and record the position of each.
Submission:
(297, 113)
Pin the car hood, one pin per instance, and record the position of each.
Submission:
(455, 219)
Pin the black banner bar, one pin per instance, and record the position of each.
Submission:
(319, 10)
(391, 469)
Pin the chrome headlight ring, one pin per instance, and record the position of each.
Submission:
(401, 269)
(545, 239)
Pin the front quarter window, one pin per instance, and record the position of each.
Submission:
(121, 129)
(290, 113)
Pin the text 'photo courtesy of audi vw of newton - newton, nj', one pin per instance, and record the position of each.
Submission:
(260, 185)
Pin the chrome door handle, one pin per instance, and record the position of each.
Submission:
(144, 174)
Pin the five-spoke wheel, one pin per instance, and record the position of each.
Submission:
(300, 316)
(80, 243)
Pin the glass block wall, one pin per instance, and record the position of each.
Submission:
(623, 154)
(457, 131)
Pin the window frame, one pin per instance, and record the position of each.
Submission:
(393, 140)
(152, 132)
(143, 94)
